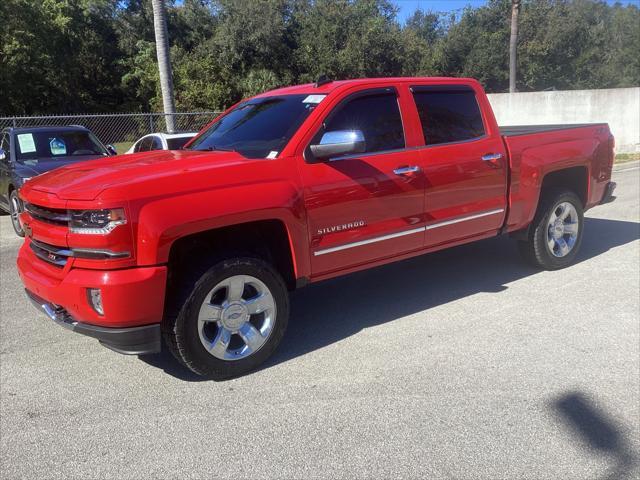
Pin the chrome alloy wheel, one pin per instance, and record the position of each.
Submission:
(15, 210)
(562, 229)
(236, 317)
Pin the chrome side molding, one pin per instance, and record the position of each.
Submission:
(368, 241)
(407, 232)
(464, 219)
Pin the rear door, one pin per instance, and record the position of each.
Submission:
(464, 164)
(368, 206)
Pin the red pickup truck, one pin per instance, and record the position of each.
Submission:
(199, 247)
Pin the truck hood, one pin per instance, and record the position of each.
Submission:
(86, 180)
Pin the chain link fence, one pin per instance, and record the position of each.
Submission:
(119, 129)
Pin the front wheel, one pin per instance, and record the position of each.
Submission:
(15, 209)
(556, 232)
(232, 320)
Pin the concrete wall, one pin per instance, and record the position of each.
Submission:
(619, 107)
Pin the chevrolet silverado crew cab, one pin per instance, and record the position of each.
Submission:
(196, 249)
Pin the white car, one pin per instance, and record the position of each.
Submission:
(161, 141)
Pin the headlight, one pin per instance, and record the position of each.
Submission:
(96, 222)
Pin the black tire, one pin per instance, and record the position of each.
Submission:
(180, 325)
(535, 248)
(15, 221)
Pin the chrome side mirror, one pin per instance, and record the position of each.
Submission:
(339, 142)
(3, 154)
(111, 149)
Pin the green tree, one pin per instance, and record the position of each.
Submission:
(70, 56)
(347, 39)
(422, 41)
(478, 45)
(58, 56)
(579, 44)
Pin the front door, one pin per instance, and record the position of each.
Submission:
(368, 206)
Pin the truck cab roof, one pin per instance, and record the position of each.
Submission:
(326, 88)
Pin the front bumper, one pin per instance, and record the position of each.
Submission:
(132, 298)
(130, 341)
(608, 196)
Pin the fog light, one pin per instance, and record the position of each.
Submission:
(95, 299)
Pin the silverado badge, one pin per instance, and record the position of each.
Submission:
(339, 228)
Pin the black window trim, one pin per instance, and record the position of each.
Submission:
(443, 88)
(370, 92)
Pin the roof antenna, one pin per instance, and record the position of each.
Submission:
(322, 80)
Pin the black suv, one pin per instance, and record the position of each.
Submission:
(27, 152)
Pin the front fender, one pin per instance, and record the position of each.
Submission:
(163, 221)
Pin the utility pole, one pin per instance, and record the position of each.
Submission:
(164, 61)
(513, 44)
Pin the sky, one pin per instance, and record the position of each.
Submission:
(407, 7)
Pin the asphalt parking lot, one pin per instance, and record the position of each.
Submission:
(461, 364)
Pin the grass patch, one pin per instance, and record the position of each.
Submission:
(627, 157)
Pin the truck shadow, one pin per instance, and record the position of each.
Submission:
(327, 312)
(330, 311)
(595, 431)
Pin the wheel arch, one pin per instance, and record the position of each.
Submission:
(159, 224)
(573, 178)
(268, 239)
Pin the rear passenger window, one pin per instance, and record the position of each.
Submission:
(448, 115)
(378, 116)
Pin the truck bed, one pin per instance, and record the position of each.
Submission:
(512, 131)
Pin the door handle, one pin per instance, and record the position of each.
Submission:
(493, 159)
(406, 170)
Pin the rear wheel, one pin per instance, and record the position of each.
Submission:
(555, 234)
(15, 209)
(232, 319)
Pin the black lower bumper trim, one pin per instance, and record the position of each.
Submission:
(608, 196)
(129, 340)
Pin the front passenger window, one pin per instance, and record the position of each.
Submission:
(145, 144)
(138, 147)
(156, 143)
(377, 116)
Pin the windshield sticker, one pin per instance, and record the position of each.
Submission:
(272, 154)
(27, 145)
(313, 99)
(57, 146)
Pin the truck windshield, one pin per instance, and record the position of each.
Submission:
(56, 144)
(257, 128)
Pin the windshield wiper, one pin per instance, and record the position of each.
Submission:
(216, 148)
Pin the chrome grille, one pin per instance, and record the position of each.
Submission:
(54, 255)
(56, 216)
